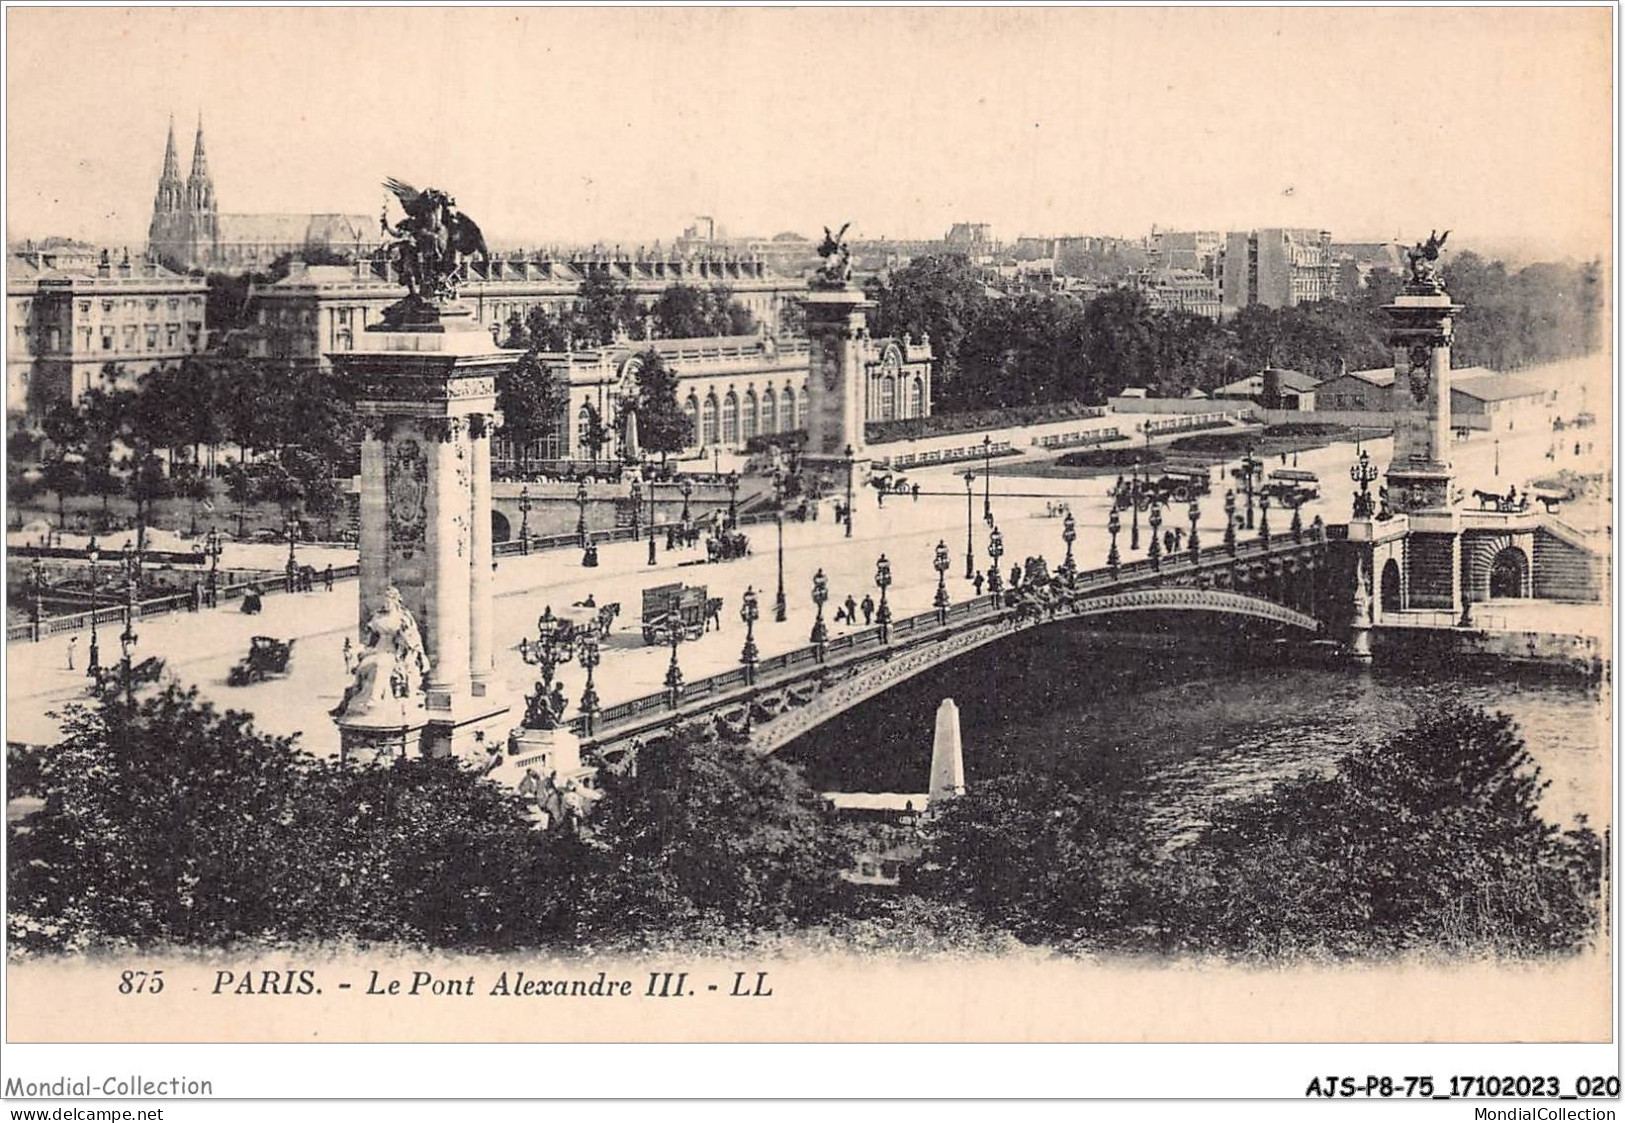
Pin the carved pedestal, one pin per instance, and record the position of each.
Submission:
(426, 387)
(1420, 477)
(837, 323)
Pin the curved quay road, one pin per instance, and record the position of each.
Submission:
(200, 648)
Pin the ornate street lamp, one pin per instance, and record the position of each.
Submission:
(970, 553)
(524, 519)
(687, 488)
(940, 563)
(588, 655)
(995, 550)
(849, 465)
(652, 521)
(1069, 535)
(551, 648)
(733, 500)
(674, 636)
(749, 612)
(1264, 519)
(637, 508)
(883, 613)
(1195, 513)
(36, 581)
(780, 608)
(1297, 521)
(212, 550)
(1230, 522)
(581, 513)
(95, 663)
(820, 594)
(291, 526)
(987, 479)
(129, 638)
(1155, 550)
(1134, 508)
(1114, 524)
(1363, 472)
(1250, 466)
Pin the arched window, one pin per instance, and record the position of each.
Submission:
(802, 421)
(730, 419)
(1392, 592)
(888, 399)
(752, 418)
(691, 410)
(708, 420)
(584, 426)
(916, 397)
(770, 411)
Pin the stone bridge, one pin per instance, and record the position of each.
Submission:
(776, 700)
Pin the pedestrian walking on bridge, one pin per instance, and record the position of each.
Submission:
(978, 582)
(868, 609)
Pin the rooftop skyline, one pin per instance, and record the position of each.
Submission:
(575, 125)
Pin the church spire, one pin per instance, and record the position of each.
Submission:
(199, 187)
(171, 165)
(169, 183)
(200, 162)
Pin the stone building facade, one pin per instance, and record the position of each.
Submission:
(317, 310)
(1278, 267)
(73, 310)
(733, 388)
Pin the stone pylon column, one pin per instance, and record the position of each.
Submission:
(947, 756)
(479, 599)
(1419, 478)
(837, 325)
(426, 392)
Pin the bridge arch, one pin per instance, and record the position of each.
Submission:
(501, 530)
(1509, 573)
(1393, 587)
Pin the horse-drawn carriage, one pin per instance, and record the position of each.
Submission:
(1177, 484)
(1292, 487)
(266, 656)
(588, 615)
(726, 546)
(688, 603)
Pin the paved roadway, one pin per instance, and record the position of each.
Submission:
(200, 648)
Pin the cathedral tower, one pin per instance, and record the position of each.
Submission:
(202, 215)
(166, 233)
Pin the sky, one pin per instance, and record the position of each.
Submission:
(621, 125)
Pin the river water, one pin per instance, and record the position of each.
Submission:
(1191, 722)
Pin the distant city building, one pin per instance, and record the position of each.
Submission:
(1195, 250)
(969, 236)
(733, 388)
(74, 310)
(1180, 290)
(1355, 262)
(188, 232)
(1099, 258)
(1277, 268)
(319, 309)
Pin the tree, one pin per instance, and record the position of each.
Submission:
(687, 311)
(1045, 860)
(168, 822)
(594, 434)
(702, 837)
(65, 477)
(939, 295)
(530, 400)
(165, 822)
(607, 309)
(663, 427)
(1432, 839)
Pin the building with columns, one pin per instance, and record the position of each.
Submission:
(733, 388)
(317, 310)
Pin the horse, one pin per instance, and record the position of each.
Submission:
(606, 618)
